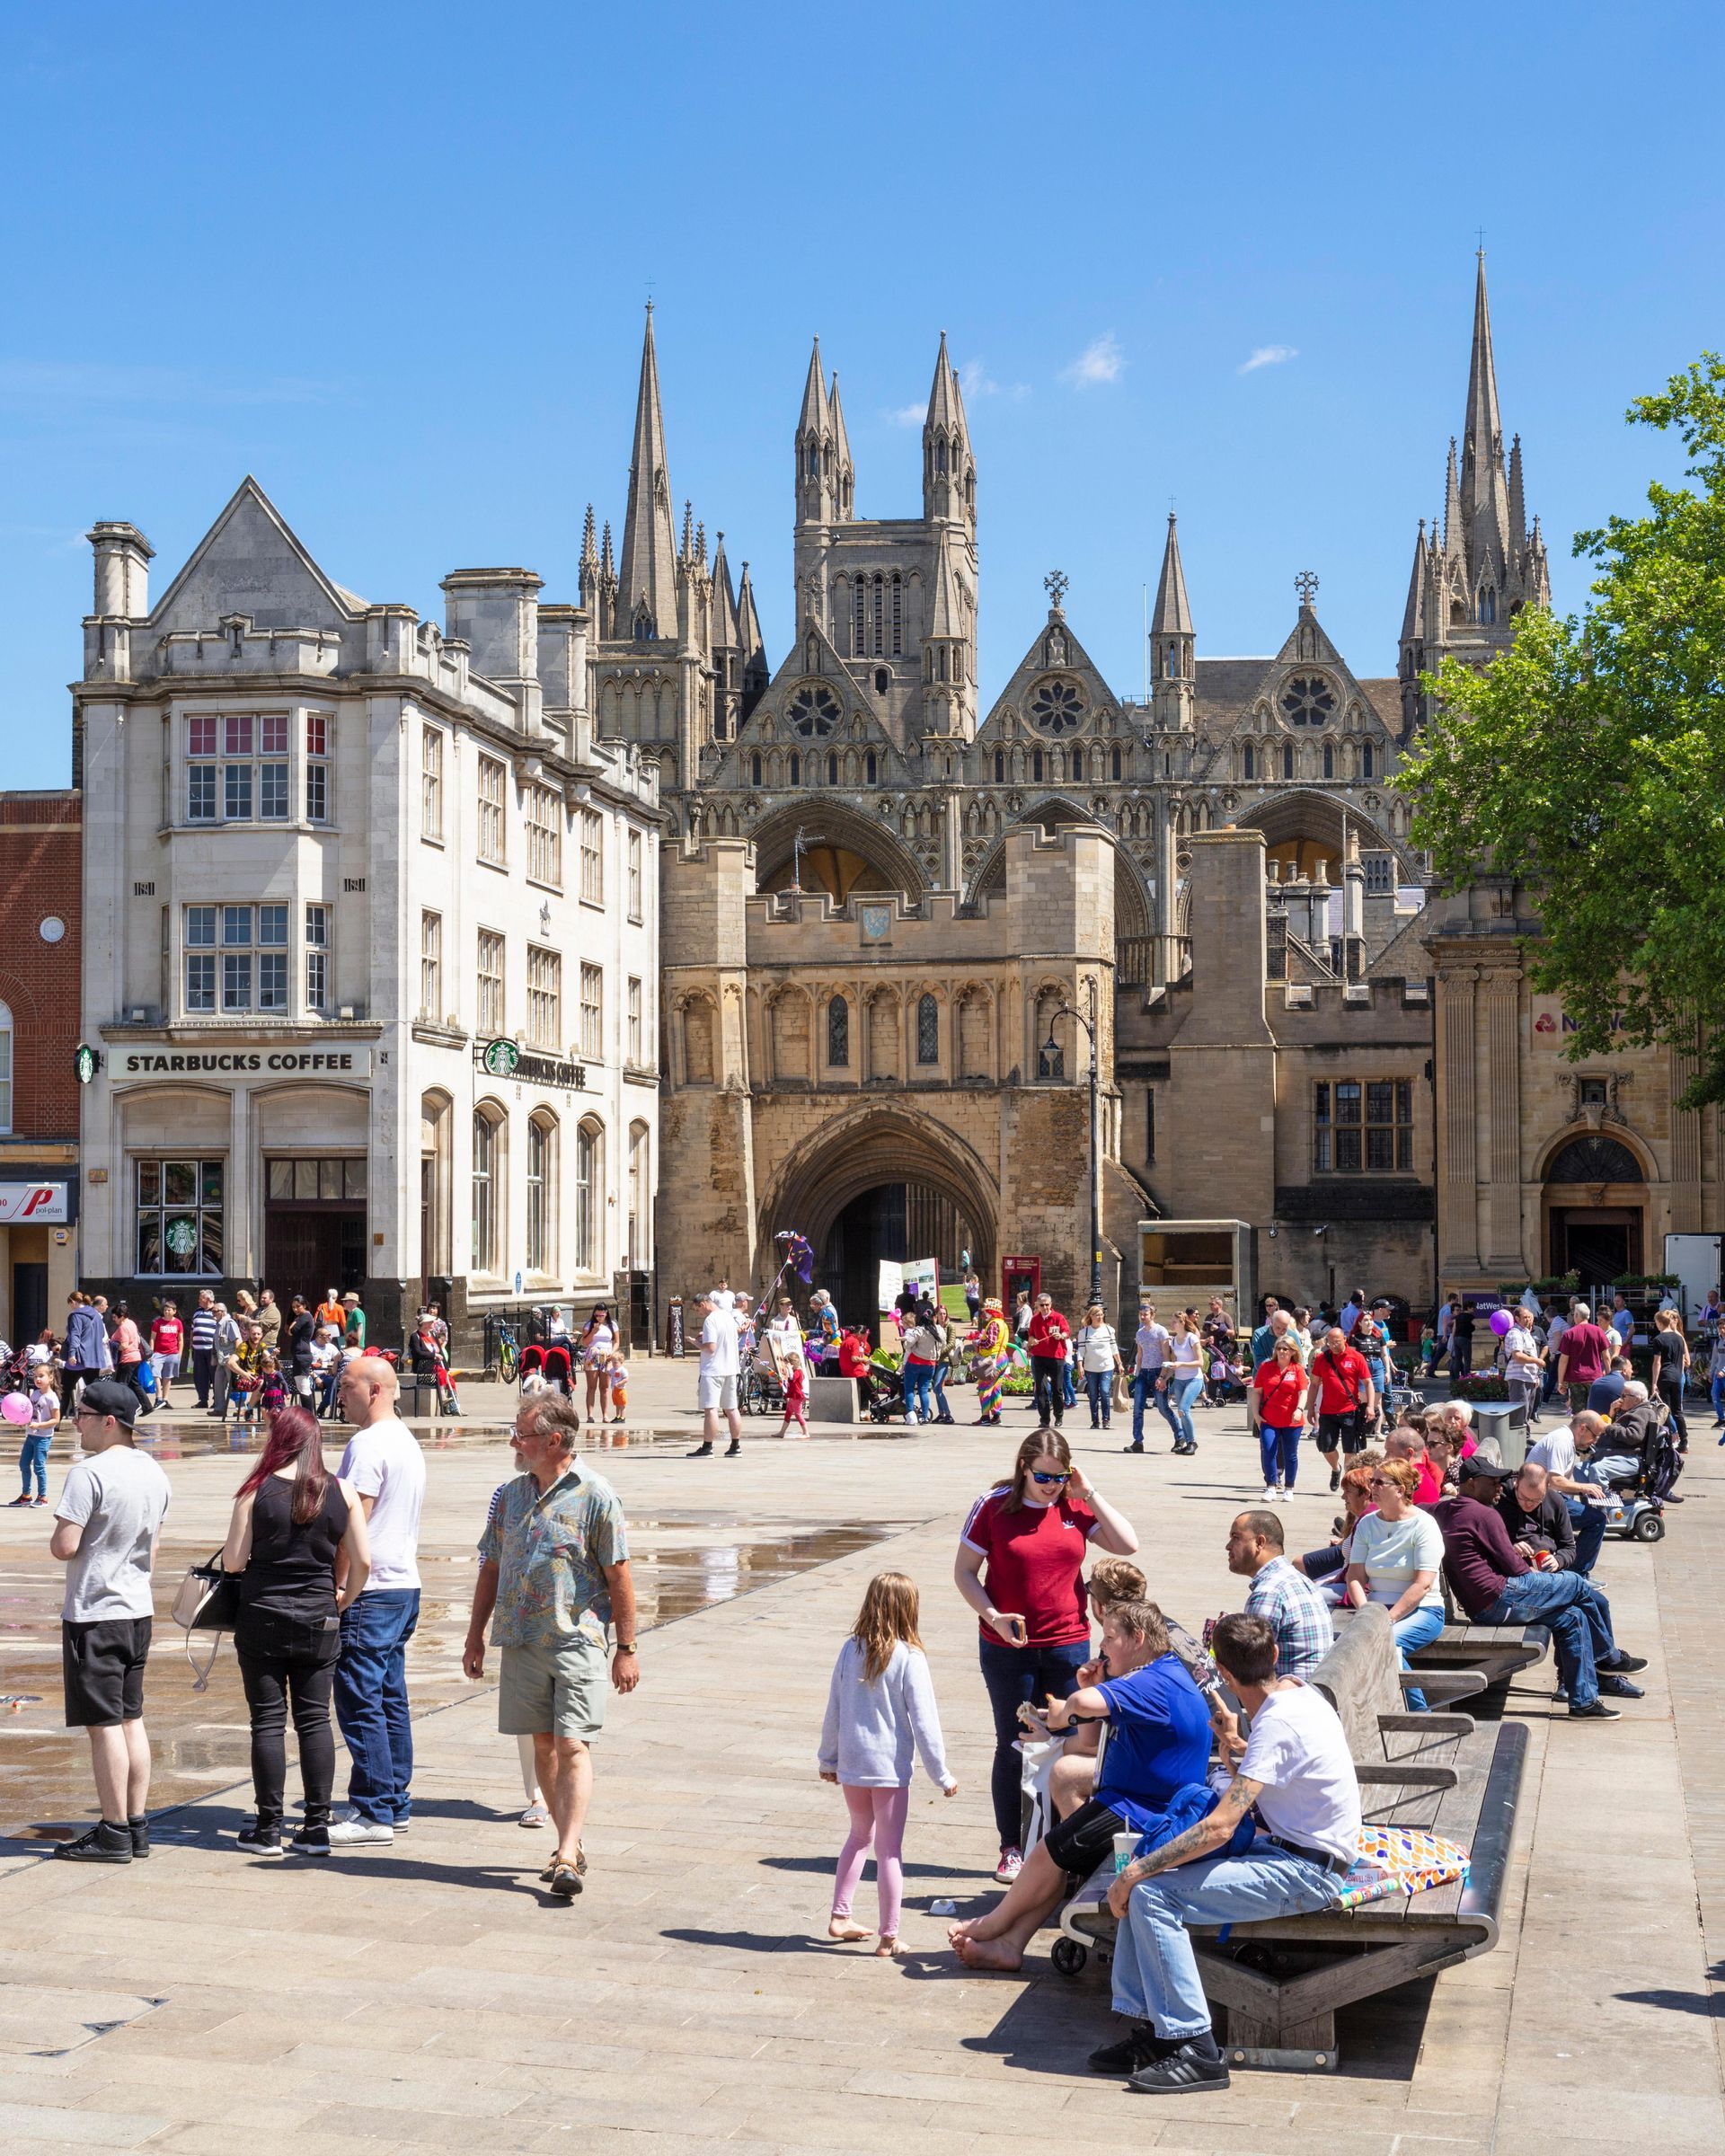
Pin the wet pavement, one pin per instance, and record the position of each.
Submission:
(684, 1559)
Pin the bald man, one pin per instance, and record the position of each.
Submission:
(386, 1468)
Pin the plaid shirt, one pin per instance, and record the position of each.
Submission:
(1295, 1613)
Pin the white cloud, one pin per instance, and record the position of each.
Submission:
(976, 381)
(907, 415)
(1102, 360)
(1267, 355)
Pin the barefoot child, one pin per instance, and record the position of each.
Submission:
(796, 1395)
(881, 1712)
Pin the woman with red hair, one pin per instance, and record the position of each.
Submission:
(298, 1541)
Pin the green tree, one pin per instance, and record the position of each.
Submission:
(1588, 762)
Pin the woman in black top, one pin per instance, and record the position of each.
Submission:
(294, 1528)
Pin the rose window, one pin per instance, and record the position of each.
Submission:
(1057, 705)
(813, 711)
(1308, 699)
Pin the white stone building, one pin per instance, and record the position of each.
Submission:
(335, 856)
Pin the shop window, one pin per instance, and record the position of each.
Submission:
(493, 783)
(542, 1193)
(589, 1195)
(488, 1187)
(592, 857)
(593, 1013)
(178, 1217)
(545, 998)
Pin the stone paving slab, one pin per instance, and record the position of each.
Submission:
(428, 1996)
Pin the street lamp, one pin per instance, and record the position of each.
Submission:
(1050, 1049)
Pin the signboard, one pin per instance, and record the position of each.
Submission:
(502, 1059)
(1552, 1025)
(32, 1201)
(345, 1062)
(919, 1277)
(87, 1062)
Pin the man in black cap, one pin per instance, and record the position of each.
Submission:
(1495, 1585)
(105, 1530)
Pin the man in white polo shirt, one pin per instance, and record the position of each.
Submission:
(387, 1469)
(719, 1370)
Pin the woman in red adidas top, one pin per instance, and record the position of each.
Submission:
(1021, 1568)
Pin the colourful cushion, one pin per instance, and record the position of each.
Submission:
(1399, 1859)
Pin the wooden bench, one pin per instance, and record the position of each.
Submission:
(1496, 1651)
(1281, 1980)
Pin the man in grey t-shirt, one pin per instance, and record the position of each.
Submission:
(105, 1530)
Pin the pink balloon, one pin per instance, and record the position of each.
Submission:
(1501, 1321)
(15, 1407)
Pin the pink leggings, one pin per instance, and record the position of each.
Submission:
(877, 1817)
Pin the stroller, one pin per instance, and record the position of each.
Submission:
(886, 1400)
(551, 1363)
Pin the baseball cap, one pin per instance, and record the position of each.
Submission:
(108, 1396)
(1483, 1470)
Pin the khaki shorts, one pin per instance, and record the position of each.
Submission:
(554, 1690)
(717, 1392)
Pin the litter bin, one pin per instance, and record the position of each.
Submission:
(1504, 1421)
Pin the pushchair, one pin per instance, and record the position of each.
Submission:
(551, 1363)
(886, 1393)
(762, 1390)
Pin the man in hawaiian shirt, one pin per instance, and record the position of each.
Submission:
(554, 1568)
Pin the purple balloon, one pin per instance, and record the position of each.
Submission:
(1501, 1321)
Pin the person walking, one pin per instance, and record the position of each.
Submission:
(921, 1355)
(167, 1347)
(106, 1525)
(1671, 1370)
(994, 1346)
(1183, 1380)
(1150, 1347)
(86, 1345)
(386, 1469)
(598, 1337)
(554, 1579)
(354, 1332)
(716, 1385)
(291, 1517)
(1342, 1400)
(1276, 1409)
(880, 1715)
(127, 1345)
(1096, 1348)
(1020, 1566)
(200, 1337)
(972, 1292)
(1048, 1339)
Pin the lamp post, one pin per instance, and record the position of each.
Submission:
(1051, 1049)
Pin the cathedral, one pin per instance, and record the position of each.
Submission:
(897, 928)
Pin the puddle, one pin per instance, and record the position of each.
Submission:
(683, 1562)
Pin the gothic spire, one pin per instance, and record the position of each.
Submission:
(949, 469)
(647, 587)
(589, 544)
(1484, 495)
(1517, 501)
(1173, 613)
(725, 603)
(844, 471)
(1454, 528)
(748, 622)
(816, 488)
(1413, 618)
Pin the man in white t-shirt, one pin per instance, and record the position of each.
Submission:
(386, 1468)
(1563, 1452)
(1298, 1777)
(105, 1529)
(1524, 1367)
(716, 1387)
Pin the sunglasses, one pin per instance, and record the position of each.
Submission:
(1037, 1476)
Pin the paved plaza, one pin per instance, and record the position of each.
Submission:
(432, 1995)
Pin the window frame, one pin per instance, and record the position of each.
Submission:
(490, 1188)
(1362, 1126)
(493, 997)
(432, 1009)
(491, 839)
(590, 839)
(200, 1208)
(635, 873)
(592, 1012)
(545, 835)
(546, 998)
(541, 1240)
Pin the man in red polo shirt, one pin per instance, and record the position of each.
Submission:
(1586, 1354)
(1342, 1401)
(1050, 1344)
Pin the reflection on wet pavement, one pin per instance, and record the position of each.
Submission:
(683, 1561)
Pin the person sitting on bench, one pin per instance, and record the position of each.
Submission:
(1495, 1585)
(1297, 1779)
(1159, 1740)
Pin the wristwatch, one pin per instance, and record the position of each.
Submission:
(625, 1646)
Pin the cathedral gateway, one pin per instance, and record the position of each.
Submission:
(891, 921)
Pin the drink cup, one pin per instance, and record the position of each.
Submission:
(1124, 1844)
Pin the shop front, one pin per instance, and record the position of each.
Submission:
(37, 1247)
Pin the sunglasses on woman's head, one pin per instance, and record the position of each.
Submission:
(1037, 1476)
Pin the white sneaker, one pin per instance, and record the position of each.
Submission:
(1011, 1864)
(357, 1832)
(1270, 1491)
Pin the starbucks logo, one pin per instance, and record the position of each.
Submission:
(182, 1237)
(500, 1058)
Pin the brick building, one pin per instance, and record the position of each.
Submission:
(41, 863)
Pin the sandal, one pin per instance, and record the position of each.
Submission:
(535, 1815)
(566, 1881)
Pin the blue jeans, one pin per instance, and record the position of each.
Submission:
(32, 1458)
(943, 1412)
(1015, 1676)
(1143, 1385)
(371, 1702)
(1155, 1970)
(1100, 1385)
(1177, 1406)
(1580, 1618)
(919, 1377)
(1719, 1403)
(1418, 1629)
(1279, 1451)
(1589, 1524)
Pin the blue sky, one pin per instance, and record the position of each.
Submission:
(392, 260)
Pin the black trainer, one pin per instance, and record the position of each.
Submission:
(1335, 1478)
(1623, 1666)
(703, 1451)
(139, 1830)
(1620, 1688)
(733, 1448)
(1183, 2070)
(1596, 1710)
(311, 1842)
(1138, 2047)
(105, 1843)
(257, 1839)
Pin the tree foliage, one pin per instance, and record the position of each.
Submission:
(1588, 762)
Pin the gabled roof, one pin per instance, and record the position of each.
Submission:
(251, 563)
(1055, 649)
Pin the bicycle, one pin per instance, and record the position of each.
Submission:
(509, 1352)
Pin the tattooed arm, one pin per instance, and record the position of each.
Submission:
(1234, 1802)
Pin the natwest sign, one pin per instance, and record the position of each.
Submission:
(32, 1201)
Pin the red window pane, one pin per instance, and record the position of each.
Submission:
(317, 734)
(200, 737)
(237, 733)
(272, 734)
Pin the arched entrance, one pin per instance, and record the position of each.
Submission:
(1595, 1207)
(884, 1183)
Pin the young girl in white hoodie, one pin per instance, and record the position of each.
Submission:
(881, 1712)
